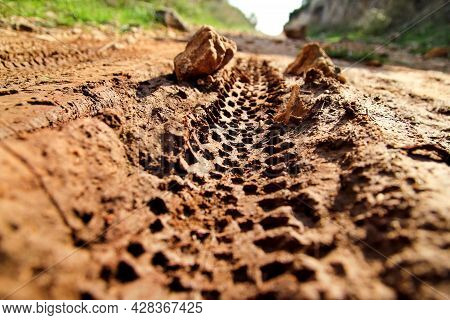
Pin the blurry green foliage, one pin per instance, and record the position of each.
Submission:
(355, 55)
(375, 21)
(404, 22)
(217, 13)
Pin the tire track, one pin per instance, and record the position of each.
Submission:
(234, 171)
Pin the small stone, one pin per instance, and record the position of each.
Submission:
(45, 37)
(312, 56)
(22, 24)
(51, 15)
(206, 53)
(112, 46)
(373, 63)
(439, 52)
(294, 32)
(170, 19)
(295, 109)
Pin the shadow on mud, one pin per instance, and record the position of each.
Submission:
(147, 87)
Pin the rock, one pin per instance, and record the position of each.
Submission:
(23, 25)
(374, 63)
(205, 53)
(170, 19)
(295, 109)
(295, 32)
(313, 56)
(46, 37)
(76, 30)
(98, 35)
(112, 46)
(51, 15)
(439, 52)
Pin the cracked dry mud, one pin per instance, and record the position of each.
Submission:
(131, 185)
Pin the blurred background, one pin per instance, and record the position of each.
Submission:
(372, 21)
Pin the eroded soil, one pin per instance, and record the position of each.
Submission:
(118, 182)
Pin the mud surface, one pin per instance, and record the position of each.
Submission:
(118, 182)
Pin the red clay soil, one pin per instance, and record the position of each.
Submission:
(118, 182)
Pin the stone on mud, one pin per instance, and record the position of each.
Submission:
(312, 56)
(294, 110)
(206, 53)
(295, 32)
(438, 52)
(22, 24)
(171, 19)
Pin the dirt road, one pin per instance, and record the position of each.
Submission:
(118, 182)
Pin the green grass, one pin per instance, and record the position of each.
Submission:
(355, 55)
(68, 13)
(426, 37)
(217, 13)
(418, 39)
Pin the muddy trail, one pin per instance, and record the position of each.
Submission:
(118, 182)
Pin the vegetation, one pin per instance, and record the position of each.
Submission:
(413, 24)
(356, 55)
(217, 13)
(425, 37)
(418, 40)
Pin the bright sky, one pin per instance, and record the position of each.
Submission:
(271, 14)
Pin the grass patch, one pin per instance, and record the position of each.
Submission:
(434, 32)
(217, 13)
(68, 13)
(339, 34)
(426, 37)
(355, 55)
